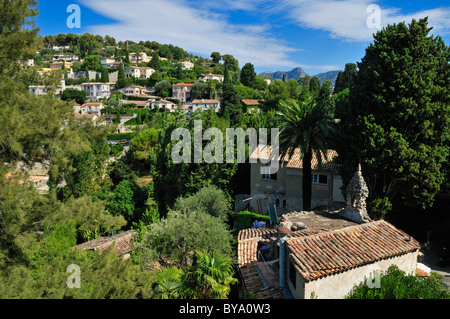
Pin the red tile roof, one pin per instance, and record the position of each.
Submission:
(328, 161)
(248, 240)
(250, 102)
(332, 252)
(123, 243)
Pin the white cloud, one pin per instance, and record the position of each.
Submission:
(192, 28)
(347, 19)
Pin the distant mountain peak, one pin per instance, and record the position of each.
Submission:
(298, 72)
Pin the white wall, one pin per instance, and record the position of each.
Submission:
(339, 285)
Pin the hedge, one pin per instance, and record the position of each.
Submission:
(120, 136)
(246, 218)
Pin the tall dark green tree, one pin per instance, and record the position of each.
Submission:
(346, 78)
(397, 125)
(248, 75)
(231, 103)
(105, 75)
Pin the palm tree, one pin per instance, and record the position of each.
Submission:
(305, 125)
(170, 283)
(212, 275)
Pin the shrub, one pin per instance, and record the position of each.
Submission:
(395, 284)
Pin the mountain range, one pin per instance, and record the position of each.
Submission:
(298, 72)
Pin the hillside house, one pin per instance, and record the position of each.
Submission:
(139, 72)
(186, 65)
(97, 90)
(252, 105)
(205, 104)
(182, 91)
(210, 77)
(136, 58)
(63, 57)
(89, 108)
(164, 104)
(135, 90)
(286, 183)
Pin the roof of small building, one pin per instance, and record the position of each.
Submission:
(206, 101)
(183, 84)
(250, 102)
(123, 243)
(328, 160)
(332, 252)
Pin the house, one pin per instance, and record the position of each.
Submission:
(110, 63)
(210, 77)
(135, 90)
(56, 48)
(123, 243)
(329, 264)
(139, 104)
(63, 57)
(136, 58)
(97, 90)
(164, 104)
(316, 262)
(139, 72)
(205, 104)
(42, 89)
(94, 108)
(252, 105)
(60, 65)
(187, 65)
(182, 91)
(286, 183)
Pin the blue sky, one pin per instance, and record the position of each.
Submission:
(319, 36)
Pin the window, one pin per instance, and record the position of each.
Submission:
(266, 174)
(319, 179)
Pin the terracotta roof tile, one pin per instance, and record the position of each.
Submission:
(328, 160)
(123, 243)
(331, 252)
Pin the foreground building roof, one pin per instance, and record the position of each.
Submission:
(332, 252)
(123, 243)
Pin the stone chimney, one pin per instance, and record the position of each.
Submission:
(357, 193)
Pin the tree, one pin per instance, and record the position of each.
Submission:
(199, 90)
(216, 57)
(314, 86)
(345, 79)
(209, 199)
(92, 62)
(304, 125)
(176, 237)
(105, 75)
(74, 95)
(211, 275)
(163, 88)
(231, 103)
(155, 62)
(122, 202)
(230, 62)
(248, 75)
(397, 123)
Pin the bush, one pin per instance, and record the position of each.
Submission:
(397, 285)
(210, 199)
